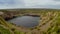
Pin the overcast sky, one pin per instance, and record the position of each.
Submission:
(29, 4)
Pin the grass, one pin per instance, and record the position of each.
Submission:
(47, 17)
(55, 29)
(18, 32)
(4, 30)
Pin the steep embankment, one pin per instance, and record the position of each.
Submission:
(7, 28)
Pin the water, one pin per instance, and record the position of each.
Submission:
(25, 21)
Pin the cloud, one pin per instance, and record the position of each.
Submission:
(56, 0)
(11, 4)
(29, 4)
(40, 2)
(35, 2)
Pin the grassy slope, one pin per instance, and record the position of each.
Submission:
(49, 23)
(6, 28)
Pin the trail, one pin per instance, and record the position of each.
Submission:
(47, 25)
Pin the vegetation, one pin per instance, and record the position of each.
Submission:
(5, 28)
(49, 22)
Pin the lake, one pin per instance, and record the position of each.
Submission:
(25, 21)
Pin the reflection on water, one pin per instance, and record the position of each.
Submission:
(25, 21)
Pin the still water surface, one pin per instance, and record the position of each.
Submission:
(25, 21)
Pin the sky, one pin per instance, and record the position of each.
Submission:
(8, 4)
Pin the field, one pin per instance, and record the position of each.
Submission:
(49, 22)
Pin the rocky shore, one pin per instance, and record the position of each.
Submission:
(8, 15)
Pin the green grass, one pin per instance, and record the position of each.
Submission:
(7, 25)
(4, 30)
(54, 29)
(18, 32)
